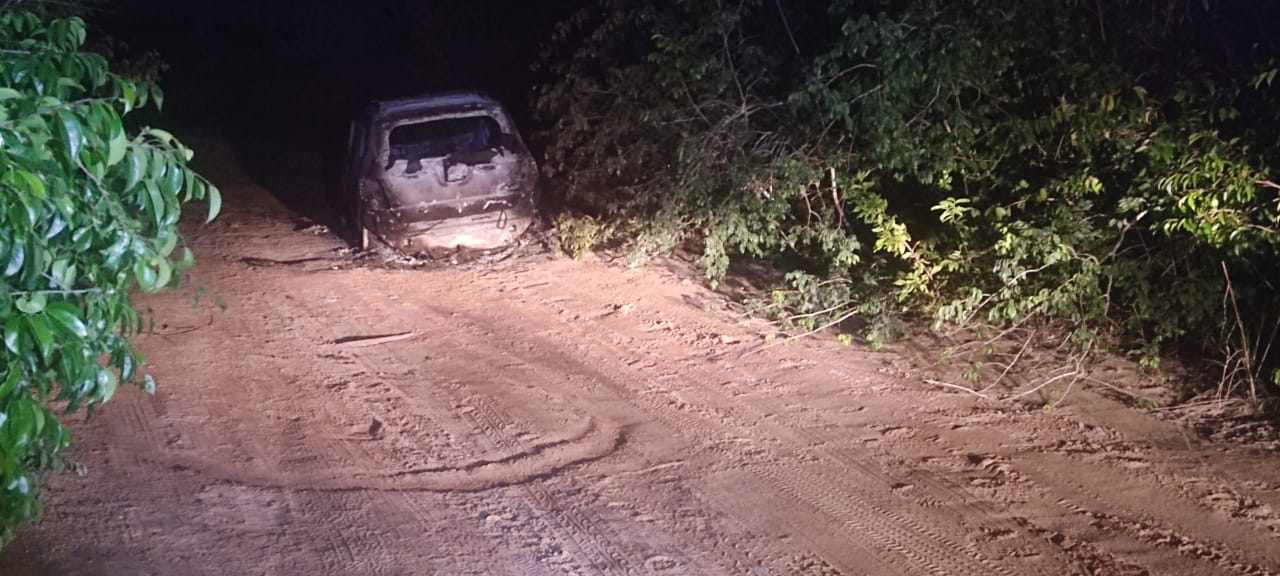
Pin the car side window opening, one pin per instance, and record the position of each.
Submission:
(443, 137)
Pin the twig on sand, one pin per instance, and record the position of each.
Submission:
(1046, 383)
(769, 345)
(1114, 388)
(956, 387)
(362, 341)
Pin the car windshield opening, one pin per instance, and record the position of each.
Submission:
(443, 137)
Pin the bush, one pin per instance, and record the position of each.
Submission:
(88, 213)
(985, 163)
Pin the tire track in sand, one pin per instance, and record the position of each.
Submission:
(576, 526)
(476, 358)
(897, 539)
(702, 389)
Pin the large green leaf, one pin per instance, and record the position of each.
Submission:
(128, 94)
(12, 330)
(118, 145)
(29, 181)
(17, 255)
(32, 303)
(145, 275)
(11, 379)
(157, 96)
(63, 273)
(106, 385)
(72, 133)
(164, 273)
(20, 426)
(42, 333)
(56, 226)
(155, 203)
(172, 183)
(67, 318)
(135, 166)
(215, 202)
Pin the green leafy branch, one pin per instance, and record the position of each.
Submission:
(88, 213)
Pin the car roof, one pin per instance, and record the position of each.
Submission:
(438, 103)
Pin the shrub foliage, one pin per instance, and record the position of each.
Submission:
(88, 212)
(1106, 167)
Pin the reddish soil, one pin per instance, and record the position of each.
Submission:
(546, 416)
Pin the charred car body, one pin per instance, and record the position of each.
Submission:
(437, 174)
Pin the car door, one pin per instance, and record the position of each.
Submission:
(357, 161)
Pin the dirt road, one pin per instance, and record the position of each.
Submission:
(556, 417)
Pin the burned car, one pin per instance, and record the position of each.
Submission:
(437, 174)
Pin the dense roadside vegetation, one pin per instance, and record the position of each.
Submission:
(1104, 169)
(88, 213)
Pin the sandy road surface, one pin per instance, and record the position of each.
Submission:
(555, 417)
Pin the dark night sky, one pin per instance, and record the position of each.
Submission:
(240, 62)
(235, 61)
(281, 79)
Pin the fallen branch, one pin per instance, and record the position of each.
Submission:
(838, 320)
(362, 341)
(1043, 385)
(1114, 388)
(1025, 344)
(957, 387)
